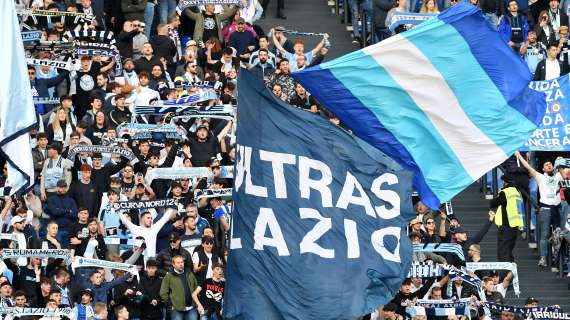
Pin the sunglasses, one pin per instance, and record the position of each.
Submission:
(429, 222)
(209, 243)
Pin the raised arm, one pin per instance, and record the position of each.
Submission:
(320, 45)
(525, 164)
(168, 213)
(277, 43)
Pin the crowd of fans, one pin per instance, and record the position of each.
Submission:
(181, 251)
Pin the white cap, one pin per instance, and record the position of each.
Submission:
(16, 219)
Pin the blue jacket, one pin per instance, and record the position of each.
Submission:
(63, 209)
(506, 25)
(41, 86)
(100, 291)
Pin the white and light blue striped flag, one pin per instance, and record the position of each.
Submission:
(448, 99)
(17, 115)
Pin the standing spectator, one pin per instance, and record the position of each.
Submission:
(147, 229)
(150, 282)
(492, 9)
(176, 291)
(263, 43)
(163, 45)
(282, 78)
(242, 40)
(173, 25)
(164, 257)
(125, 40)
(549, 188)
(204, 259)
(140, 39)
(533, 52)
(298, 48)
(121, 112)
(209, 23)
(63, 209)
(262, 67)
(508, 218)
(148, 59)
(558, 18)
(544, 31)
(550, 68)
(40, 86)
(209, 294)
(85, 191)
(39, 155)
(55, 169)
(513, 26)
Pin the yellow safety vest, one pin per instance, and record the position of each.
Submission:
(514, 200)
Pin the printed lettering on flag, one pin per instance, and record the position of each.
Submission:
(318, 221)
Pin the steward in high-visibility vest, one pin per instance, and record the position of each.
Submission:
(508, 218)
(513, 217)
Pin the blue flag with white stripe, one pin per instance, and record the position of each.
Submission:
(447, 99)
(318, 222)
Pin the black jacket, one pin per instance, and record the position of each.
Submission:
(164, 260)
(163, 46)
(401, 298)
(540, 72)
(125, 43)
(150, 288)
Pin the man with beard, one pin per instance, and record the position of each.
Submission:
(262, 68)
(549, 189)
(204, 145)
(129, 77)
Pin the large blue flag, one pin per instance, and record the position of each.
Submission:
(447, 99)
(318, 224)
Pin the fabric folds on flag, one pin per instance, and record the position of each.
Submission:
(17, 114)
(447, 99)
(318, 221)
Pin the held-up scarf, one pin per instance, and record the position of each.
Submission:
(130, 242)
(512, 267)
(199, 84)
(137, 131)
(437, 311)
(101, 149)
(399, 19)
(200, 96)
(183, 4)
(19, 312)
(99, 49)
(425, 270)
(50, 63)
(147, 204)
(81, 262)
(105, 36)
(197, 111)
(30, 36)
(498, 308)
(185, 173)
(441, 247)
(457, 273)
(48, 253)
(39, 100)
(214, 193)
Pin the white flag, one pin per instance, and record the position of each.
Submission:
(17, 113)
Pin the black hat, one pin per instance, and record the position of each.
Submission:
(87, 291)
(458, 229)
(530, 300)
(97, 155)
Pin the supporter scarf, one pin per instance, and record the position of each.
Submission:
(30, 36)
(79, 16)
(308, 34)
(104, 36)
(101, 149)
(425, 270)
(148, 204)
(457, 273)
(130, 242)
(194, 111)
(498, 308)
(81, 262)
(474, 266)
(53, 312)
(50, 63)
(183, 4)
(199, 84)
(441, 247)
(50, 46)
(399, 19)
(40, 100)
(200, 96)
(138, 131)
(99, 49)
(548, 315)
(214, 193)
(436, 311)
(185, 173)
(49, 253)
(108, 141)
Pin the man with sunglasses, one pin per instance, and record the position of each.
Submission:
(164, 257)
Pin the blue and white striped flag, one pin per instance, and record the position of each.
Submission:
(447, 99)
(17, 114)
